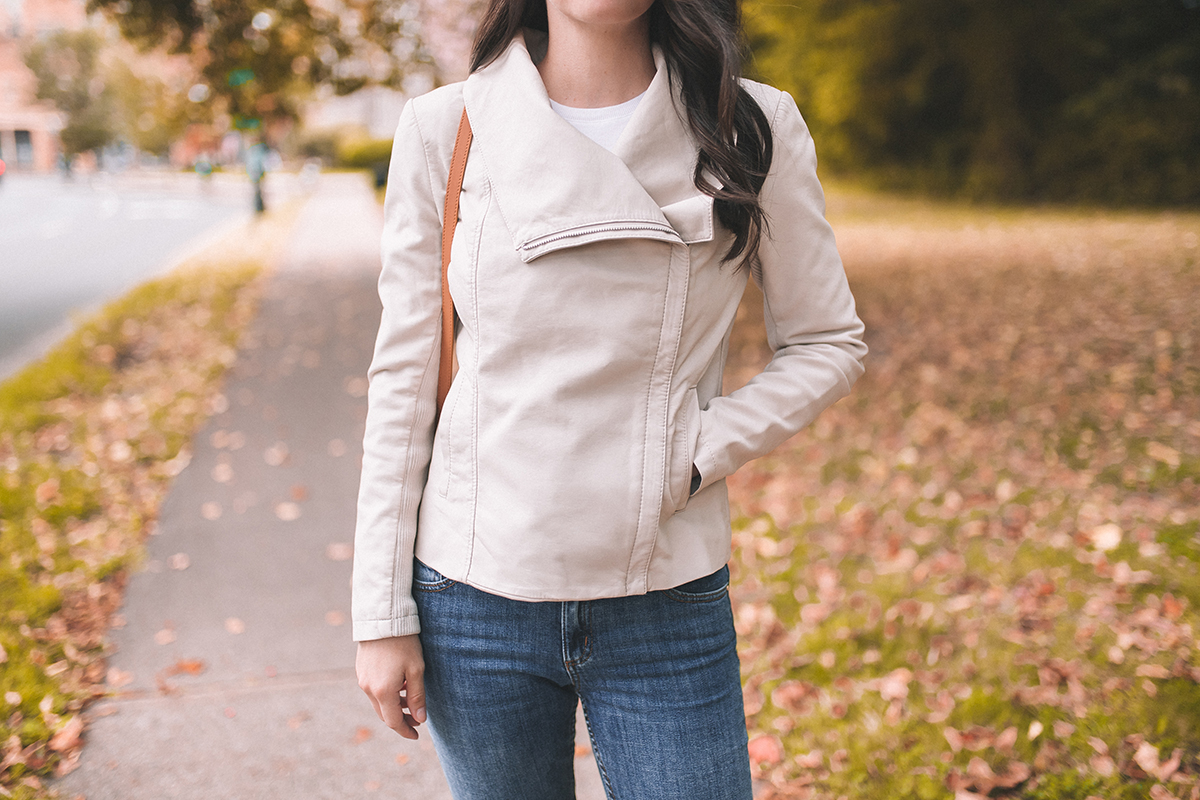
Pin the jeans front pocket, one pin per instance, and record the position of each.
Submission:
(702, 590)
(427, 579)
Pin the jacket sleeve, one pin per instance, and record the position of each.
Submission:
(401, 399)
(812, 327)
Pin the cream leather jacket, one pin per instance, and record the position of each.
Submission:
(595, 318)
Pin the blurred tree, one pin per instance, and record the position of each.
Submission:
(260, 59)
(1093, 99)
(69, 74)
(150, 112)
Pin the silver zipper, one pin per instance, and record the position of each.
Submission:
(590, 229)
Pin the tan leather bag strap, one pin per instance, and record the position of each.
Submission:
(458, 165)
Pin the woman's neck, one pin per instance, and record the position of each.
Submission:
(589, 65)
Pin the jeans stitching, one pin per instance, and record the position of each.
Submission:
(706, 597)
(609, 792)
(440, 586)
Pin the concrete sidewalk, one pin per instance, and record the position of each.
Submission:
(235, 664)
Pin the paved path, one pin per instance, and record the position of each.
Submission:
(248, 580)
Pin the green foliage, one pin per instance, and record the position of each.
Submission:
(364, 153)
(262, 59)
(66, 65)
(1095, 101)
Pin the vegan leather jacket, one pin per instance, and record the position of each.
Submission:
(595, 314)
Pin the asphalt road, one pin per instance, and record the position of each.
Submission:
(69, 246)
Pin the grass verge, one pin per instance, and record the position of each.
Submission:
(978, 575)
(90, 437)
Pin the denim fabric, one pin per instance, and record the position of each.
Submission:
(657, 675)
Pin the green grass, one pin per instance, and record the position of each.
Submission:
(945, 533)
(86, 434)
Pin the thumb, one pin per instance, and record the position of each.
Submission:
(414, 695)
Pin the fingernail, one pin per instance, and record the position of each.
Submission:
(420, 715)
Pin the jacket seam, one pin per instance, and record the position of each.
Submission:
(485, 205)
(406, 491)
(646, 435)
(668, 478)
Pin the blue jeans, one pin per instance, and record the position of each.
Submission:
(657, 675)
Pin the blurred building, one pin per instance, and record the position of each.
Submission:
(29, 128)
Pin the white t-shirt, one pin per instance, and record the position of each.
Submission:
(602, 125)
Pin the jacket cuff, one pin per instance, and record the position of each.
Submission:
(368, 629)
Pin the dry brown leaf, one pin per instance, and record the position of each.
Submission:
(287, 511)
(1103, 765)
(339, 551)
(1146, 757)
(67, 737)
(186, 666)
(765, 750)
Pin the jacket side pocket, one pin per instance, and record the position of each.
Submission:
(683, 450)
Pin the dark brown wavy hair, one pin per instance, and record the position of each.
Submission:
(702, 43)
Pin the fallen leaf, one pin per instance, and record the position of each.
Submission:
(1063, 729)
(1035, 730)
(186, 666)
(1161, 452)
(222, 473)
(1103, 765)
(117, 677)
(372, 786)
(298, 492)
(1106, 537)
(67, 736)
(179, 561)
(46, 491)
(230, 712)
(1170, 766)
(164, 636)
(339, 551)
(765, 749)
(287, 511)
(337, 448)
(402, 758)
(1146, 757)
(276, 454)
(1160, 792)
(211, 510)
(298, 719)
(1006, 739)
(894, 685)
(235, 625)
(361, 734)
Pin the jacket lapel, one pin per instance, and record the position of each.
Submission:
(557, 188)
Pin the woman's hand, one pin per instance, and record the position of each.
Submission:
(392, 673)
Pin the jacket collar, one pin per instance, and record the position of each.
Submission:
(557, 188)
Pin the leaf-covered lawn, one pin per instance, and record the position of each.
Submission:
(90, 437)
(978, 575)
